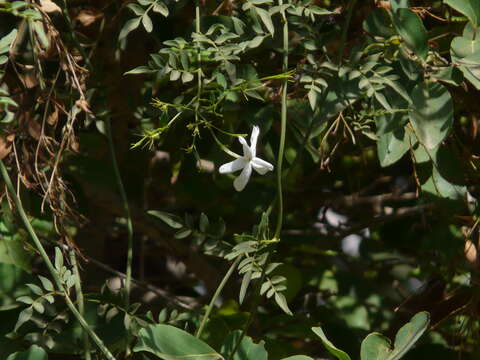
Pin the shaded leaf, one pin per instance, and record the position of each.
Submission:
(375, 347)
(33, 353)
(432, 115)
(339, 354)
(147, 23)
(410, 28)
(129, 26)
(247, 350)
(171, 220)
(170, 343)
(266, 19)
(469, 8)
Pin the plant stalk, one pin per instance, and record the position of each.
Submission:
(279, 197)
(199, 60)
(126, 207)
(216, 295)
(283, 126)
(80, 300)
(48, 263)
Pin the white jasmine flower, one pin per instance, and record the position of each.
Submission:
(246, 162)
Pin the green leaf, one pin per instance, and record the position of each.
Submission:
(437, 185)
(183, 233)
(379, 24)
(409, 334)
(298, 357)
(470, 32)
(247, 350)
(58, 259)
(25, 299)
(129, 26)
(161, 8)
(339, 354)
(38, 307)
(147, 23)
(170, 343)
(7, 40)
(171, 220)
(391, 146)
(449, 74)
(137, 9)
(411, 29)
(266, 19)
(382, 100)
(23, 317)
(204, 223)
(398, 4)
(12, 251)
(432, 115)
(46, 283)
(187, 77)
(469, 8)
(40, 31)
(465, 54)
(244, 286)
(375, 347)
(312, 98)
(33, 353)
(140, 70)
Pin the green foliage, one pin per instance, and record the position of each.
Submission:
(368, 111)
(432, 113)
(34, 353)
(377, 347)
(170, 343)
(339, 354)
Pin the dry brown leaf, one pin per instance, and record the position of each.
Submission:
(29, 80)
(34, 129)
(85, 106)
(49, 6)
(53, 117)
(88, 17)
(471, 253)
(384, 4)
(75, 145)
(5, 146)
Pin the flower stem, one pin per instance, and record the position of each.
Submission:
(279, 198)
(48, 263)
(123, 195)
(216, 295)
(283, 127)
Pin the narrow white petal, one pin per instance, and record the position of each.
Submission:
(246, 149)
(232, 166)
(253, 140)
(241, 181)
(261, 166)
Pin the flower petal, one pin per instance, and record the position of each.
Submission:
(253, 140)
(246, 149)
(241, 181)
(232, 166)
(261, 166)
